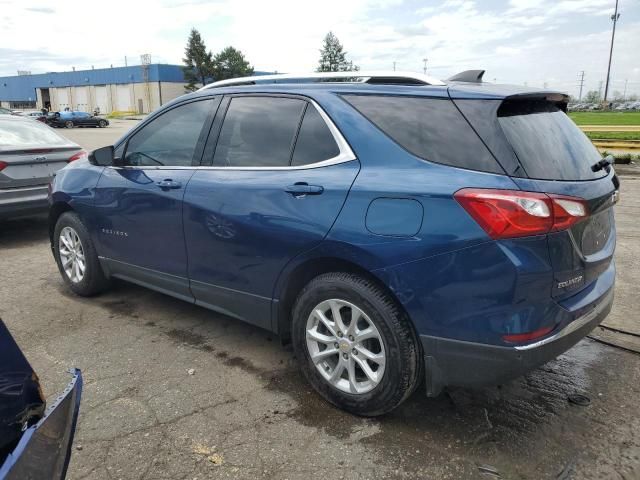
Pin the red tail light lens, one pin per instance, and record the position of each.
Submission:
(512, 213)
(528, 336)
(3, 165)
(77, 156)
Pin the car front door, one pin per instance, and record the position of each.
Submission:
(269, 189)
(138, 205)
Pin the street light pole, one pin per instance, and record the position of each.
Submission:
(615, 18)
(425, 65)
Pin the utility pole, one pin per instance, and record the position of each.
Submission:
(624, 95)
(425, 65)
(615, 18)
(394, 66)
(581, 84)
(600, 90)
(125, 60)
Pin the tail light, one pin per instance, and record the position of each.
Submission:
(77, 156)
(528, 336)
(3, 165)
(512, 213)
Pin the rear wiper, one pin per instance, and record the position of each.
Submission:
(606, 162)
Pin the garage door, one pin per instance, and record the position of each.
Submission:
(81, 99)
(62, 95)
(101, 99)
(123, 98)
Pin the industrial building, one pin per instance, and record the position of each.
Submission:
(140, 89)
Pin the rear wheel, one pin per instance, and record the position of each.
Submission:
(68, 124)
(355, 345)
(76, 256)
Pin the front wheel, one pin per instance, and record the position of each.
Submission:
(102, 124)
(355, 345)
(76, 256)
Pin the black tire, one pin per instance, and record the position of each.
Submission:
(68, 124)
(403, 364)
(94, 280)
(102, 124)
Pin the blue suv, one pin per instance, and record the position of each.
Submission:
(395, 228)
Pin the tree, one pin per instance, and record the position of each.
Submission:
(198, 64)
(333, 58)
(592, 96)
(230, 63)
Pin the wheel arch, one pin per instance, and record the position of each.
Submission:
(303, 273)
(55, 211)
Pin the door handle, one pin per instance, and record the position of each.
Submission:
(168, 183)
(301, 189)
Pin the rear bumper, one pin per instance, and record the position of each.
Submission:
(458, 363)
(19, 202)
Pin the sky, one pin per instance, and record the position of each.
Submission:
(536, 42)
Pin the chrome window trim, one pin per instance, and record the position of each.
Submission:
(345, 155)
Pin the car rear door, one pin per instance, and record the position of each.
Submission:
(272, 183)
(544, 151)
(138, 206)
(559, 159)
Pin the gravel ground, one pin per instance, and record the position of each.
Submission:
(246, 412)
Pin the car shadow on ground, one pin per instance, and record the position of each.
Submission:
(23, 231)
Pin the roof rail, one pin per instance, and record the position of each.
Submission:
(377, 77)
(470, 76)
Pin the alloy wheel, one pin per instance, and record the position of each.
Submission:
(345, 346)
(72, 254)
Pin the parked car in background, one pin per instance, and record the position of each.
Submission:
(34, 443)
(30, 155)
(5, 111)
(75, 119)
(395, 228)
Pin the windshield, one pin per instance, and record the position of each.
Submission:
(21, 133)
(547, 143)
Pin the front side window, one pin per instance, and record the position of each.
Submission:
(171, 138)
(258, 132)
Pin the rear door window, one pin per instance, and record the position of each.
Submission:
(258, 132)
(429, 128)
(315, 142)
(547, 142)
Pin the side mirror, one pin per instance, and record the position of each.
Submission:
(103, 157)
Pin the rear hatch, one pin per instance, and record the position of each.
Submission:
(31, 153)
(543, 151)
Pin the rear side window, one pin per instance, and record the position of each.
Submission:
(547, 143)
(430, 128)
(171, 138)
(315, 142)
(258, 132)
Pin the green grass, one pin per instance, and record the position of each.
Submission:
(606, 118)
(613, 135)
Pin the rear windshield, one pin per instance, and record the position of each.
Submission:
(547, 143)
(430, 128)
(24, 133)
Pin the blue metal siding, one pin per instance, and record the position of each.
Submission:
(21, 88)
